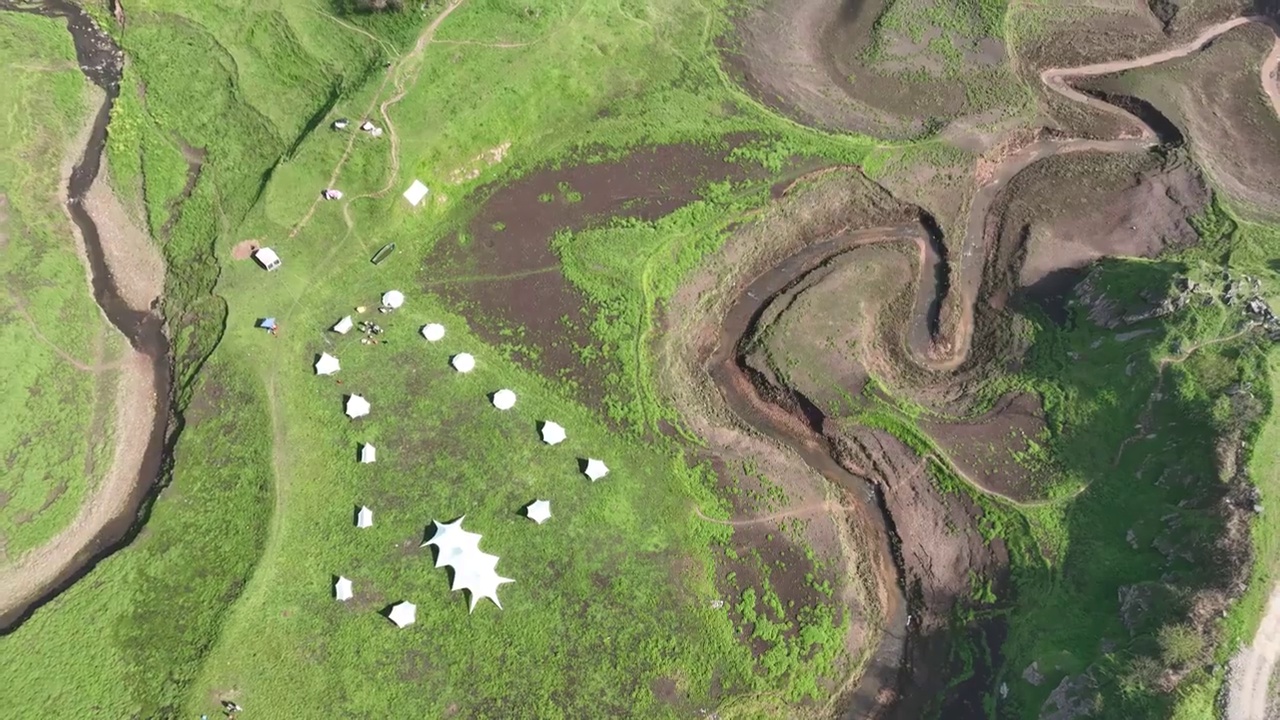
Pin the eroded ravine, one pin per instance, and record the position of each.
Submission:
(110, 515)
(949, 344)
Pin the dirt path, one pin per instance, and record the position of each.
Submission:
(829, 506)
(1252, 667)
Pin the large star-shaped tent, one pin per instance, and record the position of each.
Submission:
(539, 511)
(473, 570)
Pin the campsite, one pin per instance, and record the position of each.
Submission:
(578, 359)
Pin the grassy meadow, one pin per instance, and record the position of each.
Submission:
(227, 593)
(57, 345)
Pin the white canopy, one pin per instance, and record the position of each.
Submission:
(267, 258)
(342, 589)
(393, 299)
(473, 570)
(364, 518)
(504, 399)
(595, 469)
(403, 614)
(415, 193)
(539, 511)
(344, 325)
(368, 453)
(433, 332)
(463, 362)
(552, 433)
(357, 406)
(327, 364)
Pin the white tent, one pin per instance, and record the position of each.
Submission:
(364, 518)
(357, 406)
(403, 614)
(415, 193)
(267, 258)
(393, 299)
(473, 570)
(327, 364)
(504, 399)
(463, 362)
(342, 589)
(433, 332)
(343, 326)
(368, 453)
(595, 469)
(539, 511)
(552, 433)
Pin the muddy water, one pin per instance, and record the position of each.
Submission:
(101, 62)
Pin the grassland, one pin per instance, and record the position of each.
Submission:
(58, 348)
(226, 594)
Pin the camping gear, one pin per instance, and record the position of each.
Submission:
(340, 124)
(416, 192)
(383, 252)
(268, 324)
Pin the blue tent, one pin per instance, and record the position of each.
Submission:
(268, 324)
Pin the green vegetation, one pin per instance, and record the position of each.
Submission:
(58, 348)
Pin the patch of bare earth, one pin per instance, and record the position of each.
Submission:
(244, 249)
(505, 275)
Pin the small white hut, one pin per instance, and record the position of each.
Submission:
(368, 453)
(433, 332)
(393, 299)
(552, 433)
(504, 399)
(343, 326)
(357, 406)
(403, 614)
(539, 511)
(267, 258)
(342, 589)
(364, 517)
(416, 192)
(463, 362)
(595, 469)
(327, 364)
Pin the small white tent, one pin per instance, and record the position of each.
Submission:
(357, 406)
(595, 469)
(342, 589)
(343, 326)
(267, 258)
(327, 364)
(368, 453)
(416, 192)
(552, 433)
(393, 299)
(463, 362)
(403, 614)
(504, 399)
(539, 511)
(364, 517)
(433, 332)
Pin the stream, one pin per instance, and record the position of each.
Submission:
(101, 61)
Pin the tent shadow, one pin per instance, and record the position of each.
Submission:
(492, 396)
(357, 452)
(582, 465)
(386, 611)
(333, 586)
(355, 515)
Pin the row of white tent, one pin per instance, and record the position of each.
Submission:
(474, 570)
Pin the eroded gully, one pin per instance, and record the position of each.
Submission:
(100, 60)
(931, 345)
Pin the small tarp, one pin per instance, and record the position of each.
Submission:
(539, 511)
(366, 126)
(433, 332)
(267, 258)
(463, 362)
(595, 469)
(268, 324)
(393, 299)
(552, 433)
(368, 453)
(403, 614)
(416, 192)
(364, 517)
(376, 132)
(343, 326)
(327, 364)
(332, 194)
(342, 589)
(340, 124)
(504, 399)
(357, 406)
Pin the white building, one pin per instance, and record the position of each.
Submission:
(267, 258)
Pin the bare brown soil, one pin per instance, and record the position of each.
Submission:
(814, 60)
(244, 249)
(507, 272)
(992, 450)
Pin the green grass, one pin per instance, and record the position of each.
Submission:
(57, 416)
(228, 589)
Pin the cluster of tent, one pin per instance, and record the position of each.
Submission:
(474, 571)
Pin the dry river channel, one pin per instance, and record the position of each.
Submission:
(48, 571)
(935, 347)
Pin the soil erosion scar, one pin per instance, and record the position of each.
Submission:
(950, 341)
(47, 571)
